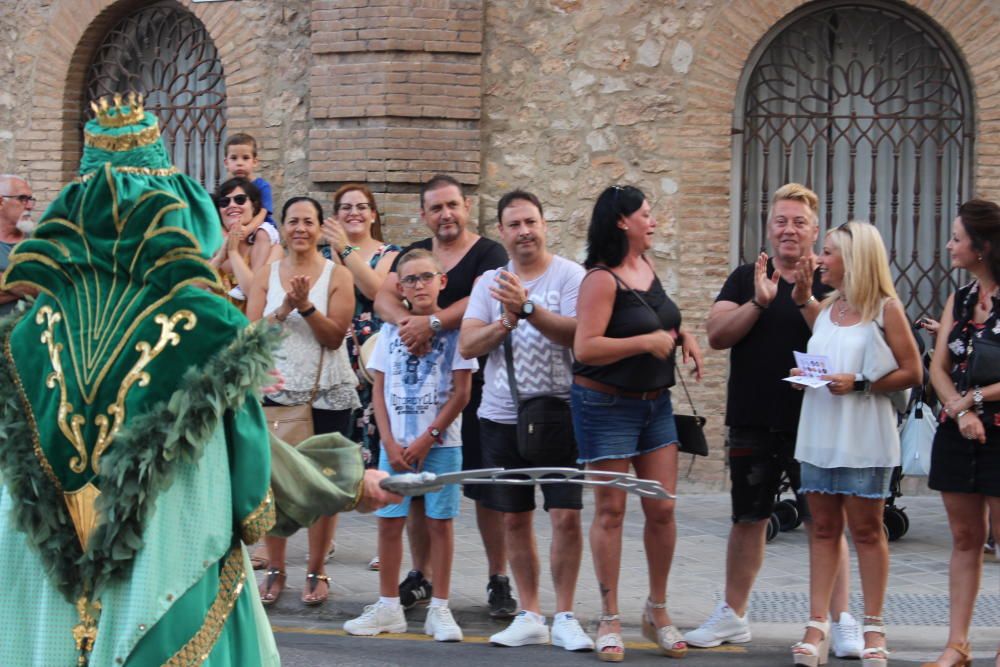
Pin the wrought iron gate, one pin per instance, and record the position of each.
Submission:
(164, 51)
(868, 106)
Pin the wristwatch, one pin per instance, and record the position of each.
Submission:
(977, 399)
(527, 308)
(860, 383)
(507, 324)
(435, 322)
(436, 434)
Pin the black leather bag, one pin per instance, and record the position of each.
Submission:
(984, 363)
(544, 424)
(690, 428)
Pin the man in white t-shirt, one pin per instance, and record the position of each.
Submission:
(530, 303)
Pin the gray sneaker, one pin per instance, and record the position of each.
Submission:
(722, 627)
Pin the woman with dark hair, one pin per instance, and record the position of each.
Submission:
(355, 240)
(626, 335)
(965, 460)
(246, 249)
(313, 300)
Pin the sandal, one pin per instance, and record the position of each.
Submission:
(259, 558)
(667, 638)
(874, 656)
(309, 598)
(268, 596)
(813, 655)
(963, 650)
(609, 646)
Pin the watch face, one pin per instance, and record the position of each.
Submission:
(436, 432)
(527, 308)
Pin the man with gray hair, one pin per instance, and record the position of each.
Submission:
(16, 203)
(758, 316)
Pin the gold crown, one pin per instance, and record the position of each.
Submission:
(119, 113)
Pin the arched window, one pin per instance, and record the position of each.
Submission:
(869, 106)
(164, 51)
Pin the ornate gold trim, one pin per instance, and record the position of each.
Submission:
(30, 416)
(138, 171)
(122, 142)
(259, 521)
(231, 580)
(107, 428)
(85, 632)
(82, 510)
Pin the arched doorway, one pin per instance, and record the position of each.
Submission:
(867, 104)
(164, 51)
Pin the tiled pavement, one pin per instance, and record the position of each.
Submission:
(918, 585)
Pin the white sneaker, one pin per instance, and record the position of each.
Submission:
(377, 618)
(441, 625)
(722, 627)
(566, 632)
(521, 632)
(845, 637)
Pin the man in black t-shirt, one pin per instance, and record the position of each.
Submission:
(758, 315)
(465, 256)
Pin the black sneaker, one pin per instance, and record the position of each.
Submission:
(502, 605)
(414, 590)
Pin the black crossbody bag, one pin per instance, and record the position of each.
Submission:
(544, 423)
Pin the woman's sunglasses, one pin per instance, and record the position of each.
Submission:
(239, 200)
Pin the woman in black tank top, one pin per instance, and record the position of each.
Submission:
(627, 332)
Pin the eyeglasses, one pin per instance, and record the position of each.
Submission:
(360, 208)
(239, 200)
(422, 278)
(24, 199)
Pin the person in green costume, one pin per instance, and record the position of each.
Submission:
(135, 462)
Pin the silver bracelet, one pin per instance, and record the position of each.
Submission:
(977, 399)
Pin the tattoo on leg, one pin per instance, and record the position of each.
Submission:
(604, 590)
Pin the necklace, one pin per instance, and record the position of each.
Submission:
(842, 310)
(985, 296)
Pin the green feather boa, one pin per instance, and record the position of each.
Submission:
(133, 472)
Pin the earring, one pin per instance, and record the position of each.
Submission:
(625, 228)
(980, 258)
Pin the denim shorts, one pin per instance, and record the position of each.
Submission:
(442, 504)
(615, 427)
(861, 482)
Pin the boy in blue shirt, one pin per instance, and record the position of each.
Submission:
(241, 161)
(418, 402)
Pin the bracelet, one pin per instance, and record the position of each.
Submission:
(308, 311)
(348, 250)
(757, 303)
(507, 324)
(961, 413)
(977, 399)
(805, 303)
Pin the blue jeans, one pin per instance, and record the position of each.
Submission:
(615, 427)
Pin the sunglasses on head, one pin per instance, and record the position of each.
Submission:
(239, 200)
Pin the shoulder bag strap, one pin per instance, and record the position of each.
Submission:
(319, 372)
(508, 354)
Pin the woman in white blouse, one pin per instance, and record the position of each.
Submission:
(847, 441)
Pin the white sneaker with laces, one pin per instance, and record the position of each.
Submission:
(375, 619)
(441, 625)
(846, 639)
(567, 633)
(722, 627)
(522, 631)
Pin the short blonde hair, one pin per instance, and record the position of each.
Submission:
(867, 279)
(796, 192)
(415, 254)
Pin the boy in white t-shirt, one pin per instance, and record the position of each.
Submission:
(418, 404)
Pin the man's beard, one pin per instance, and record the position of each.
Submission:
(25, 224)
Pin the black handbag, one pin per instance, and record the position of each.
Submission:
(544, 424)
(984, 362)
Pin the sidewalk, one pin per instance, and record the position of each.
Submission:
(916, 608)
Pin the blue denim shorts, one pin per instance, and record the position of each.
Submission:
(615, 427)
(442, 504)
(862, 482)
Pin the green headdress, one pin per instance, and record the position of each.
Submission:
(120, 325)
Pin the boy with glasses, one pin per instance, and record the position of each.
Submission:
(418, 401)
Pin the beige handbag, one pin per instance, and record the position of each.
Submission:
(294, 423)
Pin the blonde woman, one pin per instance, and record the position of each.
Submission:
(847, 443)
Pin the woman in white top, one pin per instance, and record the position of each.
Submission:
(847, 441)
(313, 300)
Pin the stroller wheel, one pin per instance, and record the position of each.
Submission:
(773, 527)
(787, 512)
(895, 522)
